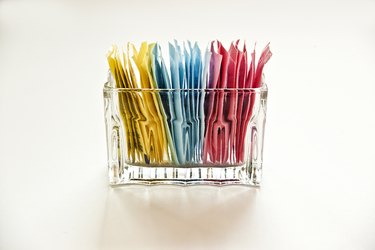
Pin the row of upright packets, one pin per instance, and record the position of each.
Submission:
(184, 125)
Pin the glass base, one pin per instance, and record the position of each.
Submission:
(186, 175)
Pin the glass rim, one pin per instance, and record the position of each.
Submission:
(108, 88)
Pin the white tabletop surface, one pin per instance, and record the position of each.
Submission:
(319, 156)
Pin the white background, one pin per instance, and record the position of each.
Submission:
(319, 166)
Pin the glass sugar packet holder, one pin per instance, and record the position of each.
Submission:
(185, 136)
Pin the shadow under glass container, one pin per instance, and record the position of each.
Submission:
(185, 136)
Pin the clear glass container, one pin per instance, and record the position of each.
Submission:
(185, 136)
